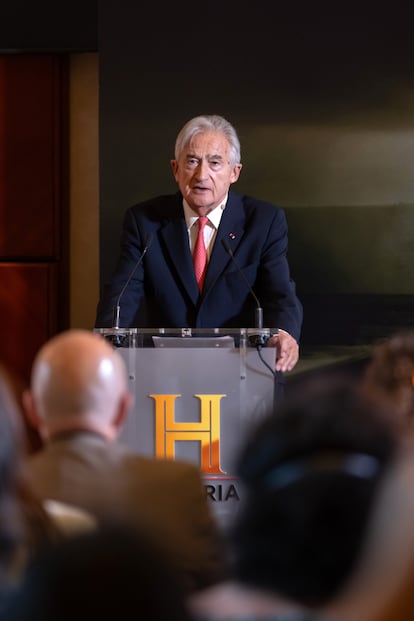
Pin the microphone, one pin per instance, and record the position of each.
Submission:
(117, 308)
(260, 339)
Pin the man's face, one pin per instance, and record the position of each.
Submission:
(204, 172)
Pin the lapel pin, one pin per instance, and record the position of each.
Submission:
(232, 236)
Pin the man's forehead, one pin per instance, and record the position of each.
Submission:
(208, 143)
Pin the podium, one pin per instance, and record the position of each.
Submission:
(197, 392)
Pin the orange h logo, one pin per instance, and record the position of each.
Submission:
(206, 431)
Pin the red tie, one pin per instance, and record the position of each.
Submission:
(200, 253)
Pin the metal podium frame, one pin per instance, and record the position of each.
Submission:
(196, 403)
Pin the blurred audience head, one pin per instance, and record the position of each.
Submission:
(389, 376)
(310, 473)
(24, 525)
(11, 455)
(78, 382)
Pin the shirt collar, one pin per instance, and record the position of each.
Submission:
(214, 215)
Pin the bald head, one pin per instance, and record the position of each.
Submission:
(78, 380)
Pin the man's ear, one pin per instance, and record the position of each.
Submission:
(125, 404)
(30, 410)
(235, 174)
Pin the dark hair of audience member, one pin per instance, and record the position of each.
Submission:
(311, 472)
(25, 526)
(106, 574)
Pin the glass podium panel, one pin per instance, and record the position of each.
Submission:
(196, 395)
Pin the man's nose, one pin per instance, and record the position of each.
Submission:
(202, 169)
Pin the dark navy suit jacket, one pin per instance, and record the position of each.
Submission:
(163, 291)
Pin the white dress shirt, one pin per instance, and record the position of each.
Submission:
(210, 230)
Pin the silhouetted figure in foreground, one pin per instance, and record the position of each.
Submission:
(104, 575)
(311, 475)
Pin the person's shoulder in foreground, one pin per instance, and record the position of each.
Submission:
(245, 239)
(190, 531)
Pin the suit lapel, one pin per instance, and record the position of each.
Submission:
(174, 233)
(231, 229)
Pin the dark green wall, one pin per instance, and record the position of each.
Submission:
(49, 25)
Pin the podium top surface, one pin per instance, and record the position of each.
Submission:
(186, 337)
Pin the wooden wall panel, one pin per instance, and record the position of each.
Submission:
(28, 313)
(34, 284)
(30, 162)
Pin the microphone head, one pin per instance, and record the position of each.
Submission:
(116, 340)
(259, 339)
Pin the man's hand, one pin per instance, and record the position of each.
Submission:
(287, 351)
